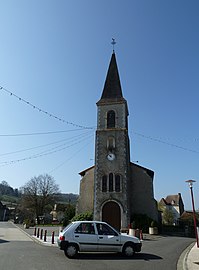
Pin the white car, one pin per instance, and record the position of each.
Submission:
(96, 236)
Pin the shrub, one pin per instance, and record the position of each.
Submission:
(83, 216)
(141, 221)
(154, 224)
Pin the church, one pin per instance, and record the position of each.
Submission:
(115, 189)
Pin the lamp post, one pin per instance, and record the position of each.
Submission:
(190, 182)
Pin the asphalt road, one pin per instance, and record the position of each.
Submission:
(19, 251)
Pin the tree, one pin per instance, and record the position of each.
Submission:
(168, 217)
(68, 214)
(38, 194)
(4, 183)
(5, 189)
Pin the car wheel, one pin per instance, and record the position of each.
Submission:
(128, 250)
(71, 251)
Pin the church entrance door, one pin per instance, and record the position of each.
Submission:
(111, 214)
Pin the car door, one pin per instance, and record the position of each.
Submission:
(86, 236)
(108, 239)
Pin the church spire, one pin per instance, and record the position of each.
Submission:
(112, 87)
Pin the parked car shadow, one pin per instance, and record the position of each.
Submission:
(146, 256)
(116, 256)
(3, 241)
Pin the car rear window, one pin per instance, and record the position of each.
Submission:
(67, 227)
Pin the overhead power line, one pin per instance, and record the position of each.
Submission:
(39, 133)
(68, 159)
(163, 142)
(41, 110)
(45, 153)
(44, 145)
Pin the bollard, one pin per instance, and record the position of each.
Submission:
(41, 234)
(35, 231)
(53, 237)
(38, 233)
(45, 233)
(141, 235)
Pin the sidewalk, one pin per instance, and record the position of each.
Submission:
(48, 241)
(30, 232)
(189, 259)
(192, 261)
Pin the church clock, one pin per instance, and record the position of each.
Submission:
(111, 156)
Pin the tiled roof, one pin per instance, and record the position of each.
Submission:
(171, 200)
(82, 173)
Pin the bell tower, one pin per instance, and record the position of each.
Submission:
(112, 153)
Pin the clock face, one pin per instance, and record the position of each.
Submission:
(111, 156)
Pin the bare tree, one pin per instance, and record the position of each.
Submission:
(38, 194)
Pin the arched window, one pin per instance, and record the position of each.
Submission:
(117, 183)
(110, 182)
(111, 119)
(111, 143)
(104, 183)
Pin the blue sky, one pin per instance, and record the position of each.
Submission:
(55, 55)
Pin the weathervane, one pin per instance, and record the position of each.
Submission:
(113, 43)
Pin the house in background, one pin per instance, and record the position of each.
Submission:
(173, 203)
(187, 218)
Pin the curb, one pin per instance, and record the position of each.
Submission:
(35, 239)
(41, 242)
(182, 261)
(27, 234)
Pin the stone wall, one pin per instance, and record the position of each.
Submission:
(86, 194)
(142, 196)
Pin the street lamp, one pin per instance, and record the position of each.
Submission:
(190, 182)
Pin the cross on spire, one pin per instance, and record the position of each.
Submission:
(113, 43)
